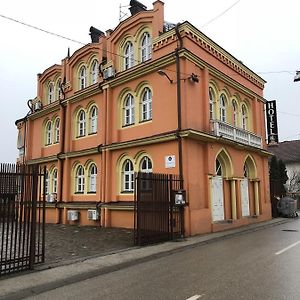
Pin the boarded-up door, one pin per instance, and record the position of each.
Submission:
(217, 204)
(245, 197)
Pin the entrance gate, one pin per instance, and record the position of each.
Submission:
(22, 217)
(156, 217)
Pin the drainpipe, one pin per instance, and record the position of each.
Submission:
(178, 82)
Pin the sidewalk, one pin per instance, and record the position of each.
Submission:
(40, 280)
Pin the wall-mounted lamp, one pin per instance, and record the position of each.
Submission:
(194, 78)
(163, 73)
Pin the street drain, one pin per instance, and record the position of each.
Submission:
(290, 230)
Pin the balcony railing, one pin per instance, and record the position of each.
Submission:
(236, 134)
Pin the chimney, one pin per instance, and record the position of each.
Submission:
(136, 7)
(95, 34)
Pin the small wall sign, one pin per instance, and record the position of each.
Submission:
(170, 161)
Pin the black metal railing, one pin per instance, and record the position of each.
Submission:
(157, 218)
(22, 217)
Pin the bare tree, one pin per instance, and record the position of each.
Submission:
(293, 184)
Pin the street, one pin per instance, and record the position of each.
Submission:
(262, 264)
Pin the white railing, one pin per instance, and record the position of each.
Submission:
(236, 134)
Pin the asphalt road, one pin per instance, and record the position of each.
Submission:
(260, 265)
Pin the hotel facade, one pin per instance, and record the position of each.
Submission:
(149, 96)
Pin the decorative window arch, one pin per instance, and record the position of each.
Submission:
(212, 102)
(92, 174)
(127, 176)
(234, 112)
(128, 55)
(145, 47)
(56, 130)
(54, 181)
(94, 71)
(223, 164)
(93, 119)
(128, 110)
(82, 78)
(146, 105)
(244, 116)
(250, 168)
(223, 101)
(50, 93)
(48, 133)
(81, 123)
(79, 179)
(146, 165)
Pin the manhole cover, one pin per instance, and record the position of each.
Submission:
(290, 230)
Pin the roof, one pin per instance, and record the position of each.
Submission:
(288, 151)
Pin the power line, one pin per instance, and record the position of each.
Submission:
(290, 114)
(221, 14)
(40, 29)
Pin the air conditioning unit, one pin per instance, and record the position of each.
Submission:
(93, 214)
(73, 215)
(109, 73)
(37, 106)
(51, 197)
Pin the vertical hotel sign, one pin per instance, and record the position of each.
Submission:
(272, 122)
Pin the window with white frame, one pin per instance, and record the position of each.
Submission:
(58, 90)
(79, 180)
(54, 181)
(50, 93)
(82, 78)
(56, 130)
(146, 165)
(128, 176)
(81, 124)
(128, 56)
(211, 104)
(223, 108)
(47, 183)
(146, 47)
(244, 117)
(92, 178)
(49, 133)
(93, 119)
(234, 112)
(146, 110)
(128, 110)
(219, 171)
(94, 72)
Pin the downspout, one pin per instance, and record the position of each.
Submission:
(178, 82)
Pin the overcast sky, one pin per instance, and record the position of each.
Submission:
(263, 34)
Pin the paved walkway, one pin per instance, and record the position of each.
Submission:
(36, 282)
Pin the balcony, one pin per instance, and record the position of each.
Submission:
(233, 133)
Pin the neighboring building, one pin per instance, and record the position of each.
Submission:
(289, 153)
(141, 94)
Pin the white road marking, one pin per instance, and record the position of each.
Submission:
(195, 297)
(287, 248)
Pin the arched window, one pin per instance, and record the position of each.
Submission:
(56, 130)
(82, 78)
(246, 171)
(94, 72)
(58, 89)
(93, 119)
(54, 181)
(244, 117)
(129, 110)
(92, 178)
(219, 170)
(128, 176)
(50, 93)
(128, 56)
(79, 180)
(211, 104)
(146, 47)
(48, 133)
(146, 110)
(223, 108)
(81, 123)
(146, 165)
(234, 113)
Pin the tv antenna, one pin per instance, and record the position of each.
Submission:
(122, 13)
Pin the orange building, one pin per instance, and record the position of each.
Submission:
(154, 97)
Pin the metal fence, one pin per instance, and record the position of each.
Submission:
(22, 217)
(157, 218)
